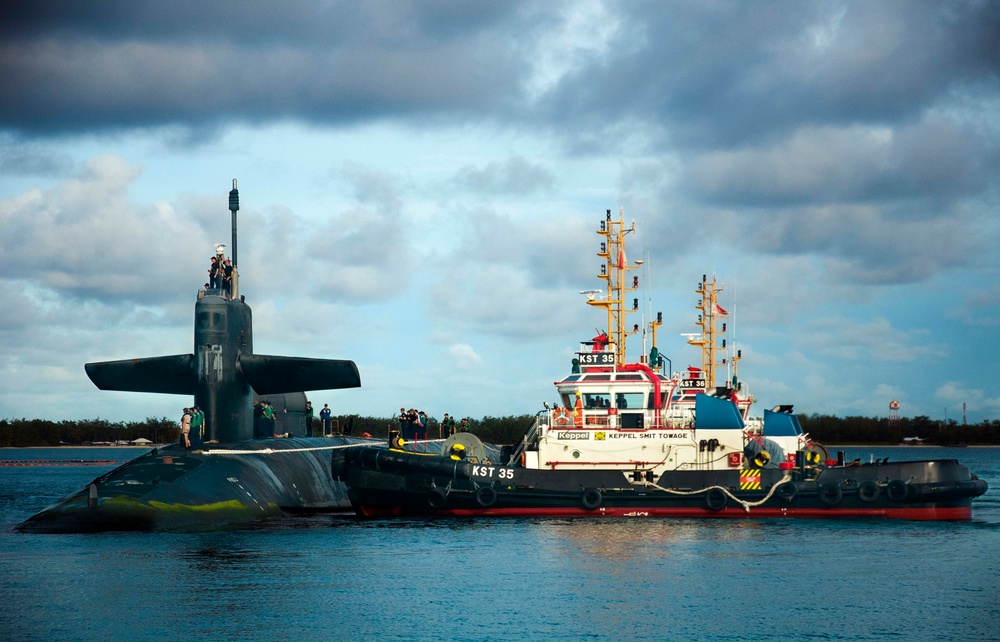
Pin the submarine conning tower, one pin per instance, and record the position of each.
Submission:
(223, 373)
(221, 335)
(222, 332)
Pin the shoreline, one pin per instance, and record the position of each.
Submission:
(82, 446)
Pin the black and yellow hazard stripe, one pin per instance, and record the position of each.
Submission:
(750, 479)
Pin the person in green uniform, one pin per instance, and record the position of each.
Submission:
(268, 427)
(197, 421)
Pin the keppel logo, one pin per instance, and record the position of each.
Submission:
(572, 435)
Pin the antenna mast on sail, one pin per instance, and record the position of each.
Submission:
(234, 206)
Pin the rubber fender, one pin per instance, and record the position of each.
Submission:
(868, 491)
(437, 498)
(716, 499)
(897, 490)
(486, 496)
(830, 494)
(591, 498)
(787, 491)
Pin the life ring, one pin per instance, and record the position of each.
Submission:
(787, 491)
(830, 494)
(716, 499)
(897, 490)
(591, 498)
(561, 416)
(437, 498)
(760, 459)
(868, 491)
(486, 496)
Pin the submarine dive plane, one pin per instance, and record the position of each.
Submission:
(230, 477)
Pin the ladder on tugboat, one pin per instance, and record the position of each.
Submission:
(530, 436)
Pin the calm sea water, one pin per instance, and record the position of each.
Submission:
(334, 578)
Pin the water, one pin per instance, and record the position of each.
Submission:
(335, 578)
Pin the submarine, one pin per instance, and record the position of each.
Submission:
(230, 476)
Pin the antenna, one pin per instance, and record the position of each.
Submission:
(234, 206)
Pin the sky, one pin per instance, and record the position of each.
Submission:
(421, 185)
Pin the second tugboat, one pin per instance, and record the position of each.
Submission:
(628, 440)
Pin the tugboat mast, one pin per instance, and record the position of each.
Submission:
(613, 271)
(710, 340)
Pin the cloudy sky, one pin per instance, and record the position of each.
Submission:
(421, 184)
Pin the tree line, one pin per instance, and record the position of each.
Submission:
(498, 430)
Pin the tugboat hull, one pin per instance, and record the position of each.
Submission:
(383, 483)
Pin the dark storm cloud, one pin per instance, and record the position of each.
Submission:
(797, 116)
(727, 74)
(863, 246)
(77, 66)
(701, 74)
(938, 160)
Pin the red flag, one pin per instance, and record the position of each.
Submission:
(720, 311)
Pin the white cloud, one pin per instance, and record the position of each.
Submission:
(464, 357)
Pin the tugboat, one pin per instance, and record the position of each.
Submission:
(628, 440)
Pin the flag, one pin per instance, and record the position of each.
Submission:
(621, 259)
(720, 311)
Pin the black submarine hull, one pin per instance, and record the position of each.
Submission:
(219, 487)
(237, 478)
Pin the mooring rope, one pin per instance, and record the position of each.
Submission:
(746, 505)
(276, 451)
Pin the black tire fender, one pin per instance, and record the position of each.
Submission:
(897, 490)
(591, 498)
(437, 498)
(787, 491)
(486, 496)
(868, 491)
(830, 494)
(716, 499)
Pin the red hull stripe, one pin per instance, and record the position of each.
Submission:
(957, 513)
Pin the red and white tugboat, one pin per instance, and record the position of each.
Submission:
(628, 440)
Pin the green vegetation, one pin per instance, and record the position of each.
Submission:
(38, 432)
(500, 430)
(867, 430)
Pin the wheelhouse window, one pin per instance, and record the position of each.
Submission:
(629, 400)
(602, 400)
